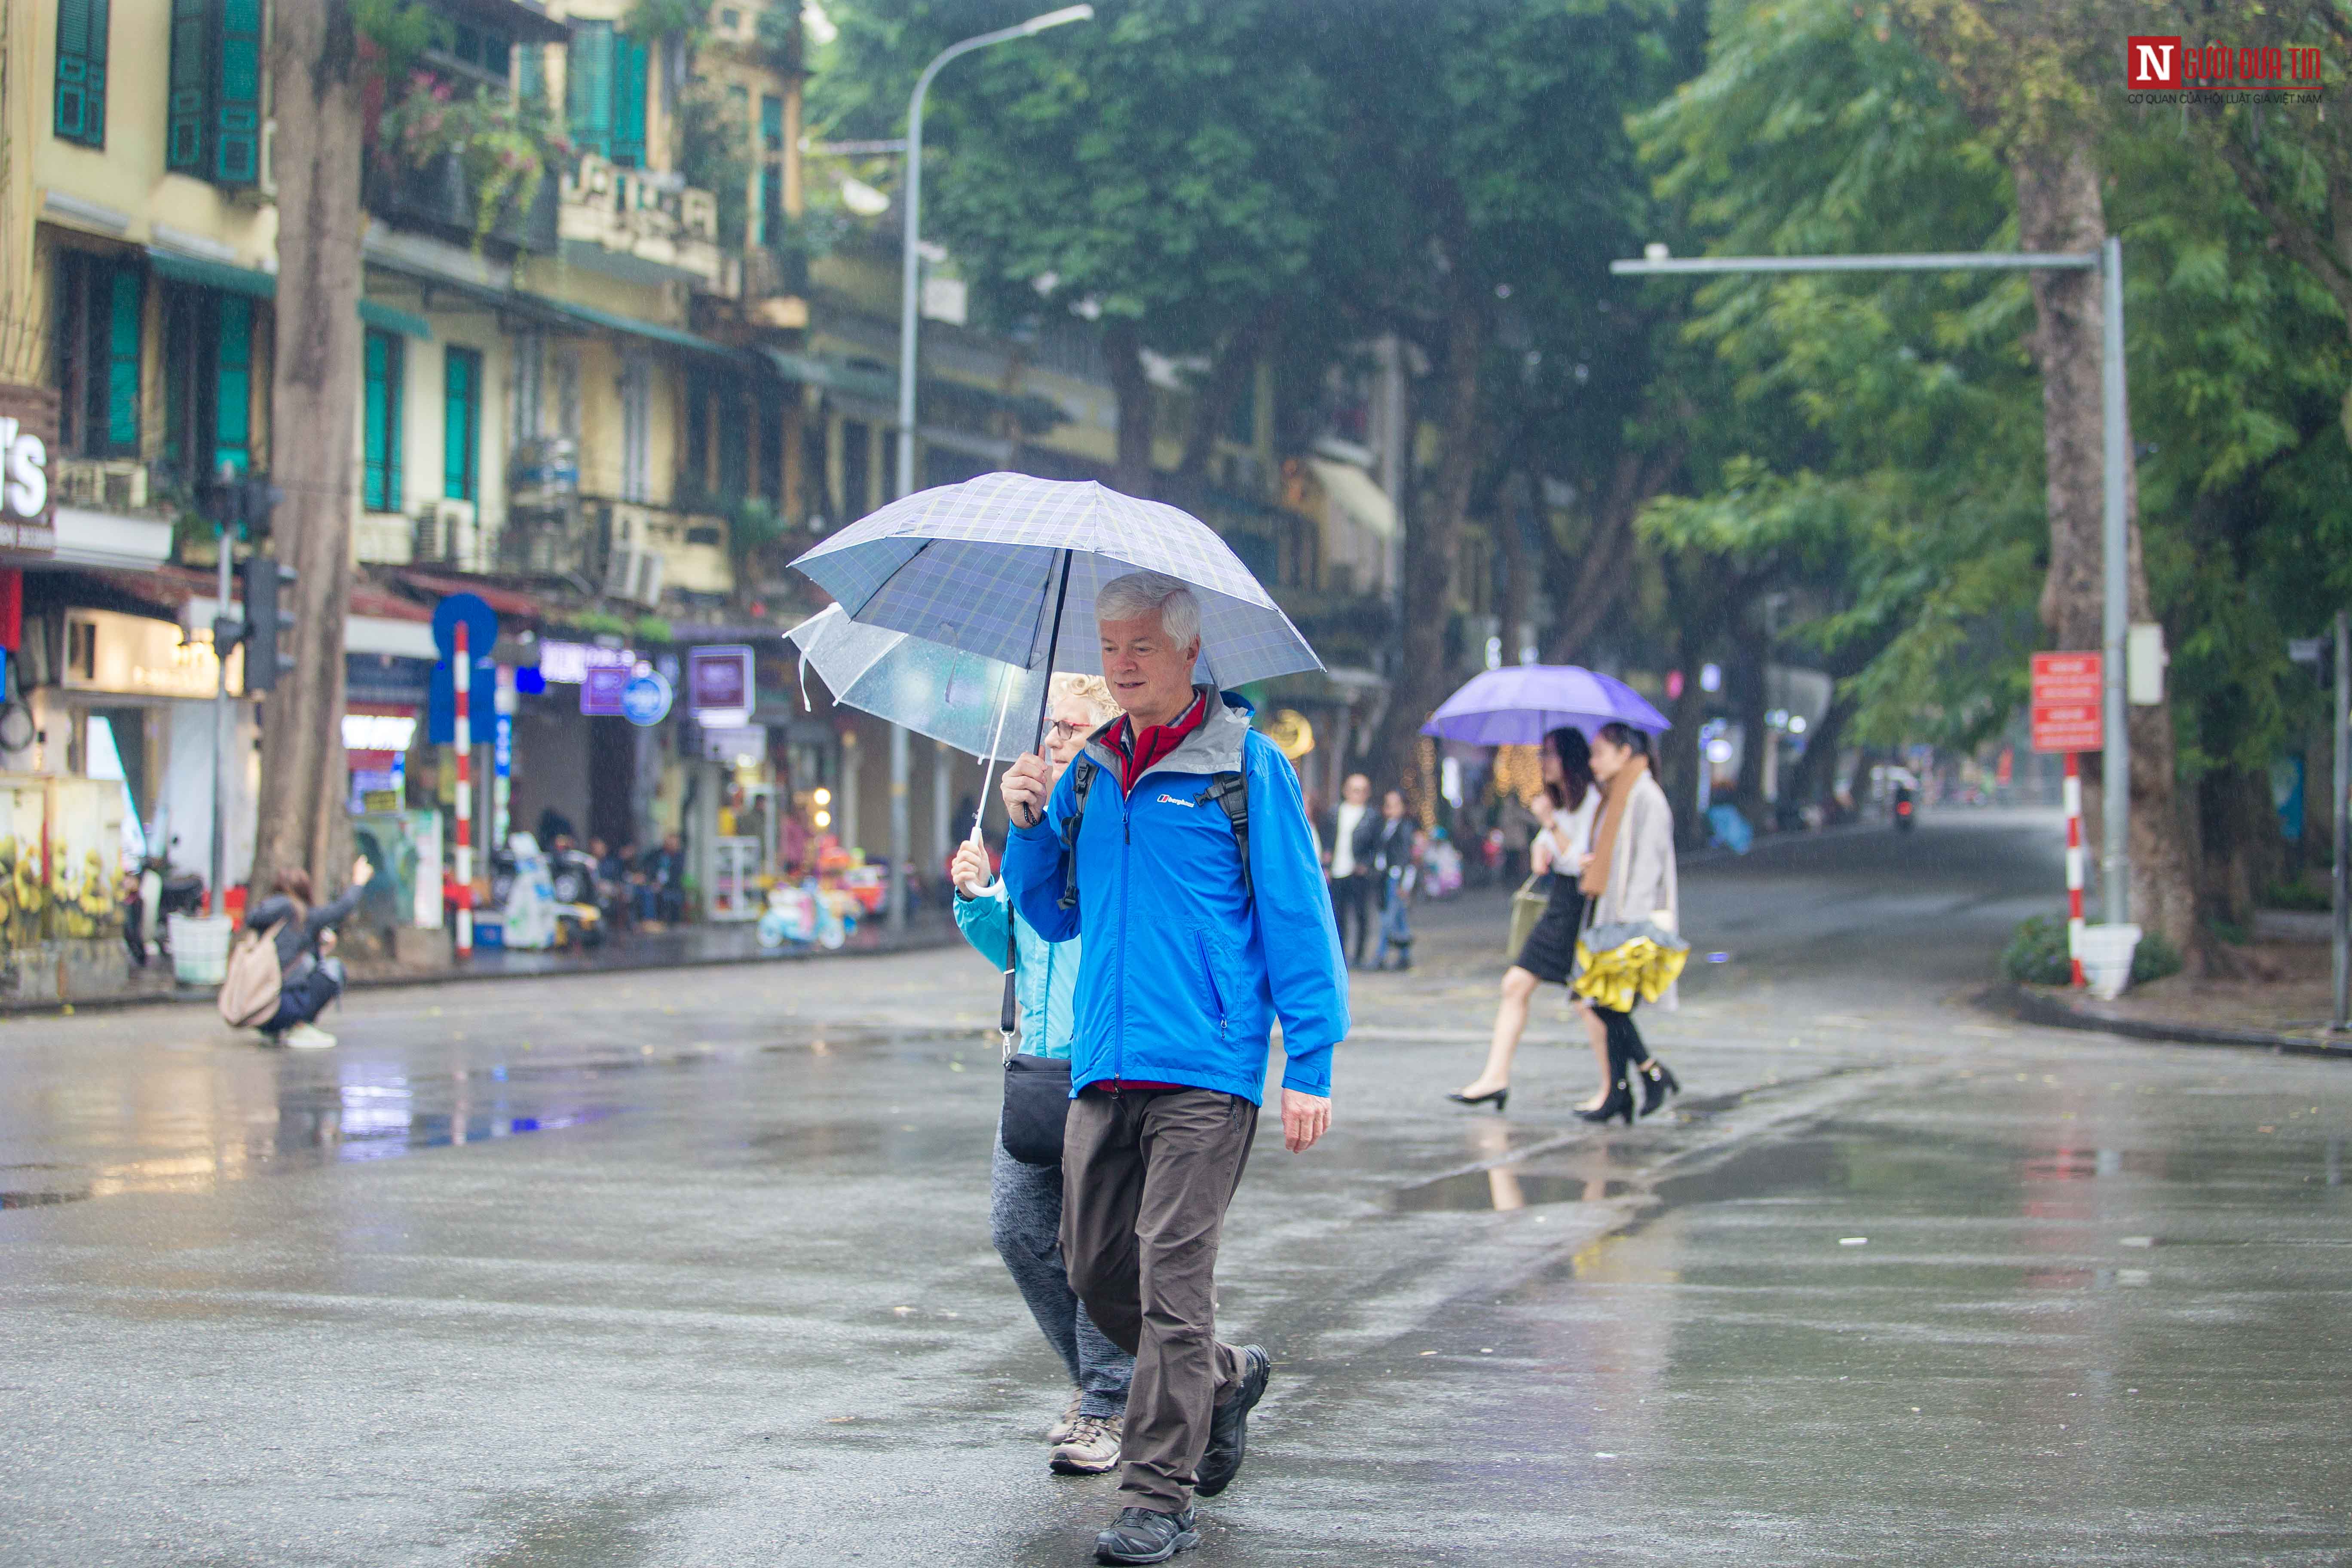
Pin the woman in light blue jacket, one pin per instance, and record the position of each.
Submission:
(1026, 1201)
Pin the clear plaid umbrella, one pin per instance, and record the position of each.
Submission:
(997, 565)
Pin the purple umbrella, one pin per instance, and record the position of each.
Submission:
(1519, 704)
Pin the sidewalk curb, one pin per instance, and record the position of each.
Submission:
(914, 941)
(2034, 1007)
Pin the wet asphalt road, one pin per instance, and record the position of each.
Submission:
(693, 1268)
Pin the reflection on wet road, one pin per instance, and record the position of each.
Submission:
(697, 1270)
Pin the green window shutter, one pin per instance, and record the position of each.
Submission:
(461, 423)
(771, 205)
(82, 71)
(530, 71)
(124, 300)
(629, 77)
(232, 382)
(236, 93)
(772, 123)
(589, 88)
(188, 109)
(381, 484)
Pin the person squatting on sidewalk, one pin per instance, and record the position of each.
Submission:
(1025, 1207)
(1201, 925)
(312, 976)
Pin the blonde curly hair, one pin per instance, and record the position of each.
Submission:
(1091, 690)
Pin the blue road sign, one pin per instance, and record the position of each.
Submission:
(644, 702)
(481, 623)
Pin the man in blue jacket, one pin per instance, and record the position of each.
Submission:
(1204, 923)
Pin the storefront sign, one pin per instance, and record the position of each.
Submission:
(568, 663)
(719, 689)
(601, 689)
(28, 434)
(131, 654)
(644, 702)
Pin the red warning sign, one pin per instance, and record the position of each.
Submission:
(2068, 692)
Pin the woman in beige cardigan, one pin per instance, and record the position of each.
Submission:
(1629, 880)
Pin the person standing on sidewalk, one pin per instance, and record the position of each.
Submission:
(1024, 1208)
(1395, 855)
(1348, 859)
(1178, 842)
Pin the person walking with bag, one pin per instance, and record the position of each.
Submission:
(1178, 844)
(1025, 1172)
(1631, 944)
(1548, 955)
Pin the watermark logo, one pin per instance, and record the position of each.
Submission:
(2161, 63)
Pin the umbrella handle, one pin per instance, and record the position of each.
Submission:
(1045, 698)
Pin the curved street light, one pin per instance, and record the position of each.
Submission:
(910, 281)
(909, 302)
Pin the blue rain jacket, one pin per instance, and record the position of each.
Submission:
(1044, 973)
(1184, 974)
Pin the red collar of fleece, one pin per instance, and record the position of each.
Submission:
(1139, 754)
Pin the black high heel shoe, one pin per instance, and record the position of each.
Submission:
(1658, 1081)
(1619, 1103)
(1499, 1097)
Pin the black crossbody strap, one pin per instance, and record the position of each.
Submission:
(1082, 779)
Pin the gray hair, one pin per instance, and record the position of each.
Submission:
(1141, 594)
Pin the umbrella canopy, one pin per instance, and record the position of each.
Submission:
(953, 697)
(1521, 703)
(980, 566)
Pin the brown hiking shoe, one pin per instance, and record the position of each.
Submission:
(1093, 1448)
(1067, 1423)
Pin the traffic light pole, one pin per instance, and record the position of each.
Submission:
(223, 740)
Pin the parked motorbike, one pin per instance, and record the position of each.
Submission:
(168, 893)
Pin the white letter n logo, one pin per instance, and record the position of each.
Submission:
(2155, 68)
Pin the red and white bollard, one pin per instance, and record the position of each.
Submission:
(2073, 865)
(462, 685)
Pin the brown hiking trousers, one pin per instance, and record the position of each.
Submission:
(1146, 1177)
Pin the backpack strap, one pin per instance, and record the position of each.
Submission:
(1231, 790)
(1082, 779)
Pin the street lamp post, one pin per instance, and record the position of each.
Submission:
(2115, 859)
(911, 287)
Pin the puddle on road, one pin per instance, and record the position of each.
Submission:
(1503, 1188)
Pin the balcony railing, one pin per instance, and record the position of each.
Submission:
(436, 199)
(648, 217)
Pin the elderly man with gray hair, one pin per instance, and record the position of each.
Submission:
(1178, 842)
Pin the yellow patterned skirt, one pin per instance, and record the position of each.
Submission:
(1618, 965)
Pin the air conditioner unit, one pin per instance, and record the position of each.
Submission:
(445, 534)
(633, 572)
(103, 484)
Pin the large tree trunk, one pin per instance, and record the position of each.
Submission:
(314, 403)
(1605, 564)
(1815, 779)
(1432, 537)
(1123, 348)
(1233, 375)
(2059, 209)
